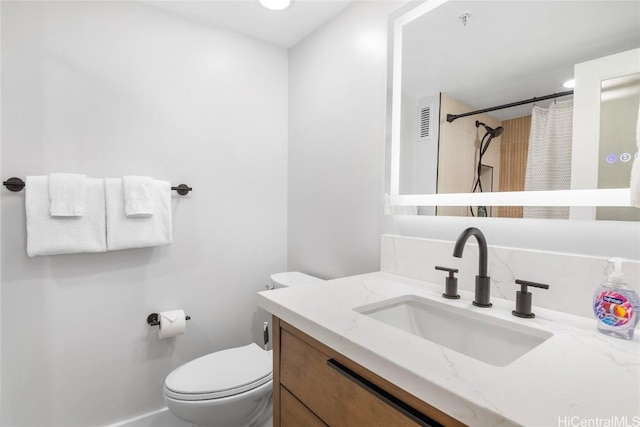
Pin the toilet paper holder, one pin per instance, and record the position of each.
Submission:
(153, 319)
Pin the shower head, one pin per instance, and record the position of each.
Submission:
(495, 132)
(491, 131)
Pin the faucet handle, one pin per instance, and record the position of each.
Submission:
(523, 298)
(450, 283)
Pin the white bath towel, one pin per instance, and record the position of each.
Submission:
(125, 232)
(67, 193)
(138, 195)
(635, 170)
(53, 235)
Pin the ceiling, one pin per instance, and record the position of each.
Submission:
(511, 50)
(283, 28)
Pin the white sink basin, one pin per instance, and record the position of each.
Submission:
(494, 341)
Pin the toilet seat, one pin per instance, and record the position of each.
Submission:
(221, 374)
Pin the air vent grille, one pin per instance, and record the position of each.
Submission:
(427, 119)
(425, 122)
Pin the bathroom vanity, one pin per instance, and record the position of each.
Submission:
(342, 357)
(312, 378)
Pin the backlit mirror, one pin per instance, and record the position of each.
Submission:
(452, 58)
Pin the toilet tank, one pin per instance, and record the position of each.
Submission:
(291, 278)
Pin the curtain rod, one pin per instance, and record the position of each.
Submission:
(16, 184)
(452, 117)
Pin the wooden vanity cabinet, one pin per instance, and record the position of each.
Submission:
(313, 385)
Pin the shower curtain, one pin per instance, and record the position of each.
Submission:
(549, 157)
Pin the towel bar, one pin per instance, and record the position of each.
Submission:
(16, 184)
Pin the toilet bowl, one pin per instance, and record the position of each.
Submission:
(228, 388)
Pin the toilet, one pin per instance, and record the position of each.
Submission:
(232, 387)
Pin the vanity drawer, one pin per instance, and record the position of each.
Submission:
(335, 393)
(294, 414)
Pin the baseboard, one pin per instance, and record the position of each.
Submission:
(160, 418)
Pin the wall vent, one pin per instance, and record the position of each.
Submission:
(425, 122)
(428, 110)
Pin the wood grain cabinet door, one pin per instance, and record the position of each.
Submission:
(294, 414)
(337, 395)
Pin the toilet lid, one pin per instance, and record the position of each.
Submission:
(221, 374)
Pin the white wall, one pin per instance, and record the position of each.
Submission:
(337, 82)
(409, 147)
(0, 223)
(113, 88)
(336, 183)
(417, 156)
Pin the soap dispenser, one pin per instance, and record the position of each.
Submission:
(616, 305)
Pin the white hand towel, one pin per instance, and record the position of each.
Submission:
(125, 232)
(635, 170)
(138, 195)
(67, 193)
(53, 235)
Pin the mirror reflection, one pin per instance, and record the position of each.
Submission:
(513, 62)
(620, 97)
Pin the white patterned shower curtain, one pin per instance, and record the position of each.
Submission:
(549, 157)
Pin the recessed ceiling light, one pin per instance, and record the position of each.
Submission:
(275, 4)
(569, 84)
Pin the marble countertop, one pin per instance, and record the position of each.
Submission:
(576, 376)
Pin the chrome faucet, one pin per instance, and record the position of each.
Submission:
(483, 281)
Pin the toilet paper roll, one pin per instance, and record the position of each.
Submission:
(172, 323)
